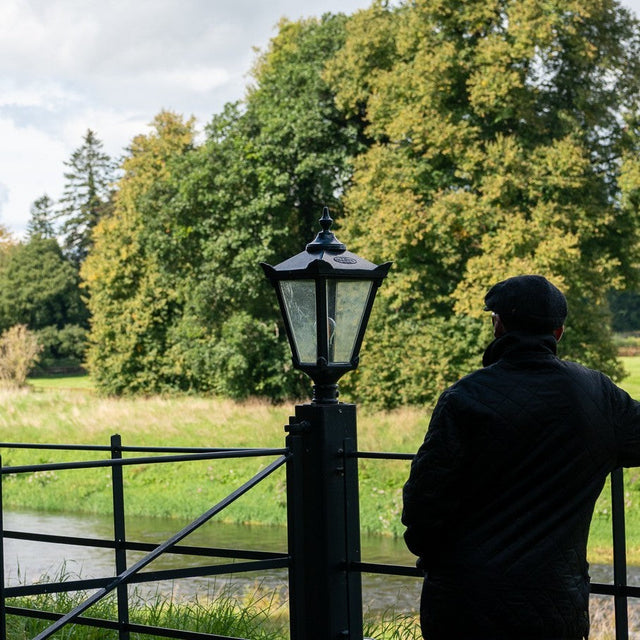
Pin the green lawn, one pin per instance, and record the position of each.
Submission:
(631, 384)
(62, 381)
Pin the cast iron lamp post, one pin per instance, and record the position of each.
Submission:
(325, 294)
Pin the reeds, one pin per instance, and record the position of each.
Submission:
(256, 615)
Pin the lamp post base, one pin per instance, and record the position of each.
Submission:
(324, 523)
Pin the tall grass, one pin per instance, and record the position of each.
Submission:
(253, 614)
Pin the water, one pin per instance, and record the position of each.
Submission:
(26, 562)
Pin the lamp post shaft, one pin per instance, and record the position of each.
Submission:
(324, 527)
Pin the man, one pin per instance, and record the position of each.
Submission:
(501, 493)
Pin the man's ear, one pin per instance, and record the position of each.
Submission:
(557, 333)
(498, 327)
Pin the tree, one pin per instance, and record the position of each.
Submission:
(265, 173)
(132, 305)
(504, 139)
(39, 288)
(6, 239)
(177, 299)
(87, 196)
(41, 222)
(19, 350)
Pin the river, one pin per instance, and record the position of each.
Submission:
(26, 562)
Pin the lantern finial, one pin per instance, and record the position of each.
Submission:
(326, 240)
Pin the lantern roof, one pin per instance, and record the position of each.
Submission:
(326, 255)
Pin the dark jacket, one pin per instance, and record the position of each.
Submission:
(500, 496)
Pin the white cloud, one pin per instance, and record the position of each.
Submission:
(26, 157)
(111, 65)
(49, 96)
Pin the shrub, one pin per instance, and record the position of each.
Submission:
(19, 350)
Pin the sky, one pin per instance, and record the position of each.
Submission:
(67, 66)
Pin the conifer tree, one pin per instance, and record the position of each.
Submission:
(42, 220)
(87, 196)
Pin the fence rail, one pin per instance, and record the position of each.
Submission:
(254, 560)
(242, 560)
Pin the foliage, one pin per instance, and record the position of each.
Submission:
(42, 220)
(39, 287)
(64, 346)
(504, 141)
(177, 297)
(625, 310)
(19, 351)
(87, 195)
(132, 303)
(6, 240)
(466, 141)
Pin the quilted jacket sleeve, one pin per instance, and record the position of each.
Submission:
(432, 492)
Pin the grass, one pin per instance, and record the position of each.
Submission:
(631, 383)
(184, 490)
(255, 615)
(62, 381)
(65, 410)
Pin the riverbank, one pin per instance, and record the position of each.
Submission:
(184, 490)
(55, 414)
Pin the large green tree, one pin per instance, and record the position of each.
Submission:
(504, 141)
(132, 304)
(39, 288)
(177, 297)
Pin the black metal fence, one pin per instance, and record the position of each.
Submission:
(342, 461)
(249, 560)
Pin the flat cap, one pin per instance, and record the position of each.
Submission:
(527, 302)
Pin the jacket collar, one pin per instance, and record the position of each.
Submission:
(518, 343)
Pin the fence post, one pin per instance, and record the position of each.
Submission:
(120, 537)
(619, 553)
(3, 616)
(324, 537)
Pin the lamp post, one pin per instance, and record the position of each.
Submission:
(325, 295)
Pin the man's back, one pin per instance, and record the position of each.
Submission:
(501, 493)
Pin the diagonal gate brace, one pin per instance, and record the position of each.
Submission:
(160, 549)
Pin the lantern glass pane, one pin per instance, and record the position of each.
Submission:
(300, 305)
(346, 302)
